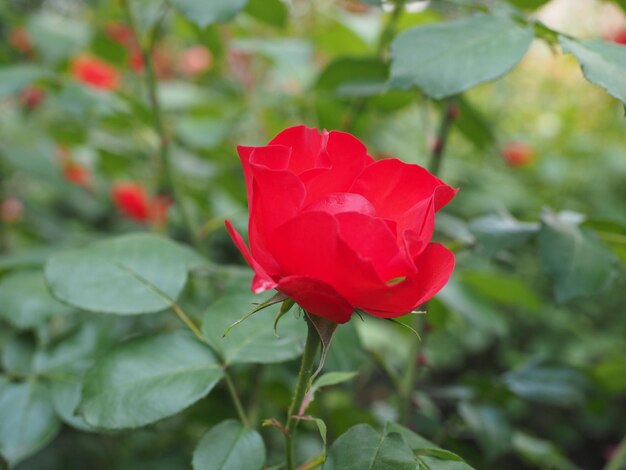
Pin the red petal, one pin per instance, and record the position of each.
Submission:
(395, 187)
(277, 197)
(316, 297)
(435, 268)
(337, 203)
(347, 156)
(262, 281)
(310, 245)
(306, 146)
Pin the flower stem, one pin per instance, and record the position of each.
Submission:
(232, 390)
(235, 397)
(306, 370)
(417, 347)
(448, 116)
(166, 183)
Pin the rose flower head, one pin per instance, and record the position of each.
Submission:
(336, 231)
(95, 73)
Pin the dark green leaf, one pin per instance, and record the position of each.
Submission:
(132, 274)
(611, 373)
(540, 453)
(579, 264)
(363, 448)
(148, 379)
(253, 340)
(28, 421)
(230, 446)
(602, 63)
(204, 13)
(447, 58)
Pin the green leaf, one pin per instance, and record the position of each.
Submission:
(25, 301)
(498, 232)
(578, 264)
(528, 4)
(447, 58)
(333, 378)
(602, 63)
(65, 399)
(132, 274)
(354, 76)
(326, 331)
(272, 12)
(147, 379)
(17, 354)
(253, 340)
(555, 386)
(321, 425)
(474, 126)
(204, 13)
(28, 421)
(490, 428)
(363, 448)
(503, 289)
(230, 446)
(428, 452)
(540, 453)
(14, 78)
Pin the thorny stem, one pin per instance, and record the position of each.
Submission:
(166, 184)
(306, 370)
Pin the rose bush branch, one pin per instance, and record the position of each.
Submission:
(232, 390)
(166, 181)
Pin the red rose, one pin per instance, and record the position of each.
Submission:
(335, 230)
(77, 174)
(132, 200)
(517, 154)
(95, 73)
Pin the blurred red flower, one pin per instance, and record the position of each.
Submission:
(11, 210)
(20, 40)
(77, 174)
(517, 154)
(95, 73)
(620, 37)
(134, 202)
(195, 60)
(120, 33)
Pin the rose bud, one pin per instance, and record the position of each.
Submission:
(517, 154)
(336, 231)
(132, 200)
(31, 97)
(95, 73)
